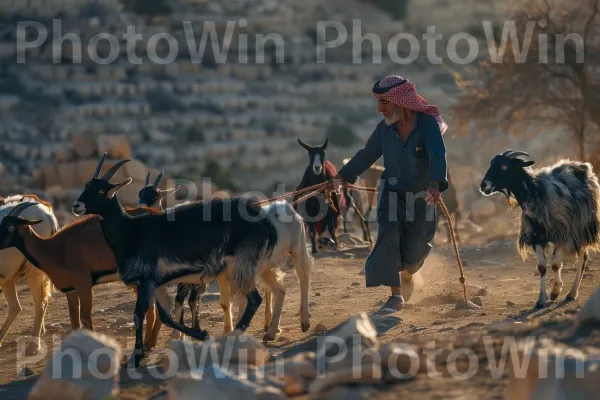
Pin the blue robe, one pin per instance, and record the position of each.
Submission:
(406, 222)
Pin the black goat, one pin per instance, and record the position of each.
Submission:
(190, 243)
(315, 210)
(560, 206)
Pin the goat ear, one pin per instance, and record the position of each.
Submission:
(120, 185)
(307, 147)
(527, 163)
(23, 221)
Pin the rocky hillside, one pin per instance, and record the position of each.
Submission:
(235, 122)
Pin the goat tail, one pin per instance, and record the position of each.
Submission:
(161, 296)
(47, 287)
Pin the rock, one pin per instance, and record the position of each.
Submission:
(362, 374)
(553, 372)
(68, 175)
(85, 145)
(212, 382)
(234, 349)
(65, 155)
(97, 357)
(591, 309)
(351, 345)
(321, 327)
(510, 304)
(243, 349)
(482, 209)
(117, 146)
(50, 176)
(482, 292)
(478, 301)
(351, 393)
(402, 359)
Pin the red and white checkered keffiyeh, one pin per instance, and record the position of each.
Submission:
(403, 93)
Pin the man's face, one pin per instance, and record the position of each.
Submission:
(386, 108)
(389, 111)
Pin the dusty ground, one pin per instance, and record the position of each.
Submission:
(337, 293)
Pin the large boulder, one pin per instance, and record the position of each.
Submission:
(86, 367)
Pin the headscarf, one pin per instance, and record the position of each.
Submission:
(403, 93)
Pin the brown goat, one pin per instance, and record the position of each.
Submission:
(75, 258)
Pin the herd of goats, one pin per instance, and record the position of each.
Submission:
(239, 243)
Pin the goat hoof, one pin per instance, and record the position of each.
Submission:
(135, 359)
(554, 296)
(305, 326)
(540, 304)
(570, 298)
(268, 338)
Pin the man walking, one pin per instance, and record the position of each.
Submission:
(410, 140)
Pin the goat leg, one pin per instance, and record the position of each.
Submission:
(163, 304)
(73, 303)
(254, 301)
(541, 259)
(193, 301)
(144, 298)
(574, 292)
(85, 301)
(312, 233)
(14, 306)
(331, 229)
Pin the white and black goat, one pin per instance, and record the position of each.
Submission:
(188, 243)
(560, 206)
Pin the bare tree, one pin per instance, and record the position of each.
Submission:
(545, 77)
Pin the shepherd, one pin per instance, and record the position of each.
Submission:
(410, 140)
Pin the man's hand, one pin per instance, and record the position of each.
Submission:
(433, 194)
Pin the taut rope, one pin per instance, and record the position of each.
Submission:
(323, 186)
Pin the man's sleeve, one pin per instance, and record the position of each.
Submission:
(364, 158)
(436, 150)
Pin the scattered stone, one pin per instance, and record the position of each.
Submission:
(317, 294)
(510, 304)
(212, 382)
(321, 327)
(482, 292)
(478, 300)
(97, 357)
(312, 304)
(355, 284)
(448, 328)
(591, 309)
(481, 276)
(25, 372)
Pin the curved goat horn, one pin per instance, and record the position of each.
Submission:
(109, 174)
(158, 178)
(517, 154)
(507, 152)
(99, 166)
(147, 179)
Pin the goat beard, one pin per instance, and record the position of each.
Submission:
(510, 198)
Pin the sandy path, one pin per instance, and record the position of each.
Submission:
(337, 293)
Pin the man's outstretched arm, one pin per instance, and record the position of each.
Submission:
(363, 159)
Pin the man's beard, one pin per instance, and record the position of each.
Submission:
(389, 121)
